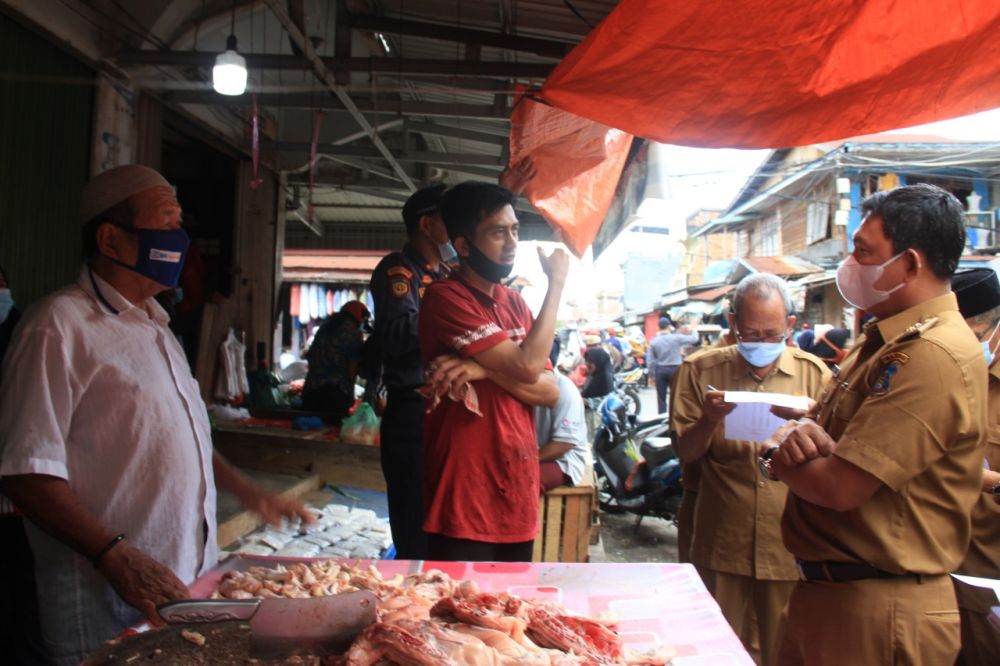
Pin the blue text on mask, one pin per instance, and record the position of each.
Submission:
(161, 254)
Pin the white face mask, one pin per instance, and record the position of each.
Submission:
(856, 282)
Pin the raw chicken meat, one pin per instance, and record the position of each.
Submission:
(500, 612)
(430, 618)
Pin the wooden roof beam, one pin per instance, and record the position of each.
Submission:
(425, 156)
(387, 65)
(391, 107)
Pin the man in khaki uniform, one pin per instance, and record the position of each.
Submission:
(737, 538)
(690, 472)
(883, 481)
(978, 294)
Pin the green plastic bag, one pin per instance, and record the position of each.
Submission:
(361, 427)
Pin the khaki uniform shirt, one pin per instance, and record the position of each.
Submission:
(909, 407)
(983, 558)
(738, 514)
(691, 472)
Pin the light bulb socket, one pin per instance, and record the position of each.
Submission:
(231, 42)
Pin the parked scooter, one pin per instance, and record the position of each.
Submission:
(627, 387)
(637, 469)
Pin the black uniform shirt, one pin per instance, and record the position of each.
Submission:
(398, 284)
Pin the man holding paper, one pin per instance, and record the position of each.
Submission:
(737, 538)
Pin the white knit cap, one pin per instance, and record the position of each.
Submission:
(106, 190)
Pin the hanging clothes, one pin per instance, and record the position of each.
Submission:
(231, 378)
(320, 302)
(294, 294)
(296, 338)
(304, 305)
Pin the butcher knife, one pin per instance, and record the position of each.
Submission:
(281, 627)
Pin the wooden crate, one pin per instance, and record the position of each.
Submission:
(565, 514)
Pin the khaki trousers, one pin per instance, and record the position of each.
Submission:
(685, 525)
(876, 621)
(743, 600)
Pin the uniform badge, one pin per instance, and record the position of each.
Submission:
(401, 271)
(400, 288)
(888, 367)
(421, 291)
(426, 279)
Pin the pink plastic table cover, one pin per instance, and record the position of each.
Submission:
(654, 603)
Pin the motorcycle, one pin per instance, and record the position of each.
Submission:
(637, 469)
(627, 387)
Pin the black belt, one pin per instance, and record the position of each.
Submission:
(843, 572)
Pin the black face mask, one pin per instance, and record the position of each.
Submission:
(484, 266)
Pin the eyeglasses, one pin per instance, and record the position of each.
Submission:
(773, 337)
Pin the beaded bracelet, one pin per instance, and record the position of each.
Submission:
(104, 551)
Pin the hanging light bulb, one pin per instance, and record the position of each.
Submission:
(229, 76)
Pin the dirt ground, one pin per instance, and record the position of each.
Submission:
(654, 541)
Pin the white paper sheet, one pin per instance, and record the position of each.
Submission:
(752, 420)
(988, 583)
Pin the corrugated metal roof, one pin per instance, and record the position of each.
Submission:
(780, 266)
(711, 294)
(542, 18)
(328, 265)
(476, 31)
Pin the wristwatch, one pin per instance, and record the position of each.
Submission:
(764, 463)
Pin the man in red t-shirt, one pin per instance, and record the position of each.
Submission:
(481, 472)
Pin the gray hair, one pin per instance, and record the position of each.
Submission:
(761, 285)
(988, 318)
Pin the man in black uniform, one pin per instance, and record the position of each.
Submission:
(397, 285)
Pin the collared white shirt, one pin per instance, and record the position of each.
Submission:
(97, 391)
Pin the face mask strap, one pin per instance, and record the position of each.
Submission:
(993, 331)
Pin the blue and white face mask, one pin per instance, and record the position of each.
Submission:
(987, 343)
(6, 304)
(760, 354)
(161, 254)
(447, 252)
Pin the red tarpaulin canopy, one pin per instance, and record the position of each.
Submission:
(766, 74)
(751, 74)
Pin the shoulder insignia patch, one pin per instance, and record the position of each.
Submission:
(888, 366)
(426, 279)
(400, 270)
(421, 291)
(400, 287)
(894, 357)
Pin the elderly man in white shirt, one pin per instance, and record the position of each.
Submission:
(105, 443)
